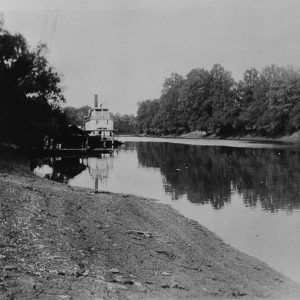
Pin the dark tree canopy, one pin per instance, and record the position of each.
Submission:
(30, 91)
(75, 116)
(124, 124)
(264, 103)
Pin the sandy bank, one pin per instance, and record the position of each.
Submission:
(293, 138)
(61, 242)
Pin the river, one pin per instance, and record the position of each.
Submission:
(245, 192)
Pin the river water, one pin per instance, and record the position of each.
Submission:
(247, 193)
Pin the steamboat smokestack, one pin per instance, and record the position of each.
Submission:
(96, 101)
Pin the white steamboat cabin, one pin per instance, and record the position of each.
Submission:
(99, 122)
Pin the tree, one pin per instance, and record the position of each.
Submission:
(222, 101)
(30, 89)
(193, 102)
(169, 109)
(125, 124)
(75, 116)
(282, 97)
(147, 116)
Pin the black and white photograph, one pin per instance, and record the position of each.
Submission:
(149, 149)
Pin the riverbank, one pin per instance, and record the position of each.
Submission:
(61, 242)
(293, 138)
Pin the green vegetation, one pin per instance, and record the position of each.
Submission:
(263, 103)
(31, 94)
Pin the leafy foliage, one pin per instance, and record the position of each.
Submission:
(30, 92)
(265, 103)
(148, 116)
(124, 123)
(75, 116)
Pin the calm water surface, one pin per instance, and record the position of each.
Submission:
(247, 193)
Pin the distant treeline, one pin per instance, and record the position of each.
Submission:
(75, 115)
(125, 123)
(122, 123)
(264, 103)
(30, 91)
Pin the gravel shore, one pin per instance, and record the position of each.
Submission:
(61, 242)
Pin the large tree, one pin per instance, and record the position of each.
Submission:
(30, 90)
(148, 115)
(169, 111)
(194, 105)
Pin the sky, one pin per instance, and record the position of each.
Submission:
(123, 50)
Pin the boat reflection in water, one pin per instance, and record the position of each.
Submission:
(64, 169)
(99, 168)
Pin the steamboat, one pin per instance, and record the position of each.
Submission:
(98, 126)
(96, 134)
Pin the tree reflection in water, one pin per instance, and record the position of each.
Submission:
(270, 177)
(205, 174)
(61, 169)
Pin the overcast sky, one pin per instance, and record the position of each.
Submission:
(124, 49)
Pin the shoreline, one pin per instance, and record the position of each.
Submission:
(293, 138)
(63, 242)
